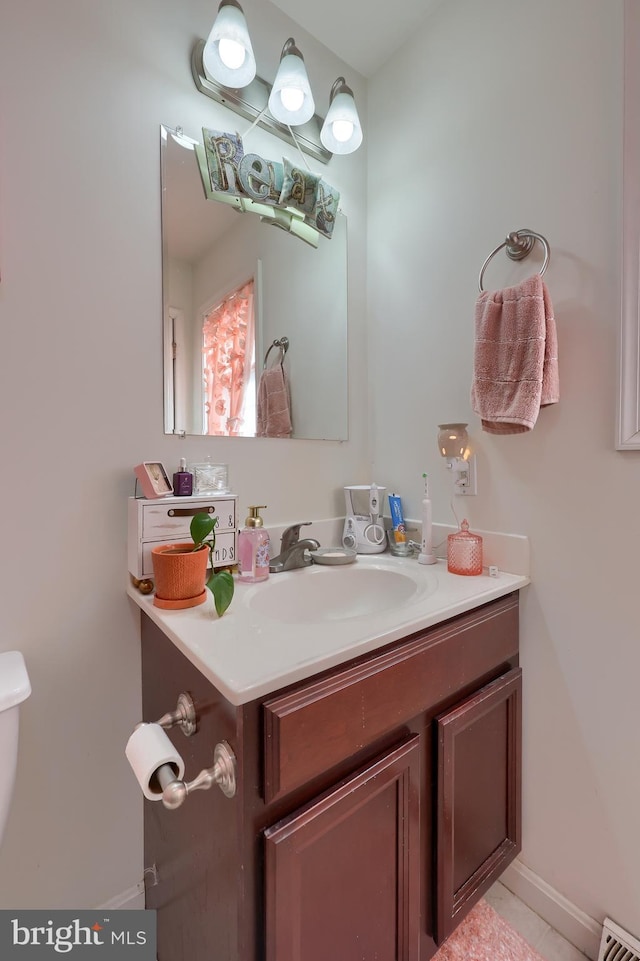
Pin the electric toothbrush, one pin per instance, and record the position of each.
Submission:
(375, 531)
(426, 555)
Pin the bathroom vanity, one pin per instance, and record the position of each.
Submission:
(377, 788)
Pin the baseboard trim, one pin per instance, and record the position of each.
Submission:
(561, 914)
(131, 899)
(564, 916)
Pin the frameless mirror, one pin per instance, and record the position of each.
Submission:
(232, 286)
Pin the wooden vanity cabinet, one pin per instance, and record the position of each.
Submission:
(376, 803)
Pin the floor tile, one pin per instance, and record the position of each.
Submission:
(553, 947)
(534, 929)
(526, 922)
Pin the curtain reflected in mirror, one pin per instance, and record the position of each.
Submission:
(232, 286)
(229, 365)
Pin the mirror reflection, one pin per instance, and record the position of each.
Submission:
(250, 311)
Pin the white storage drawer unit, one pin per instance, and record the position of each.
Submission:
(167, 519)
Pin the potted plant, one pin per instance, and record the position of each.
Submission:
(220, 583)
(180, 570)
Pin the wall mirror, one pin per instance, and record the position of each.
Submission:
(211, 254)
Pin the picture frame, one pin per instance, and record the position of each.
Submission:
(153, 479)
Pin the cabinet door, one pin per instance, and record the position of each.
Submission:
(478, 796)
(342, 874)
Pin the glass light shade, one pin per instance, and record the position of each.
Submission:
(228, 55)
(453, 440)
(341, 132)
(291, 101)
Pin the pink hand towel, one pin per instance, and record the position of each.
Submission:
(274, 404)
(515, 370)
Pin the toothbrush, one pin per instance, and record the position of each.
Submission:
(375, 531)
(426, 555)
(374, 503)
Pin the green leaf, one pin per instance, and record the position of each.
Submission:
(201, 526)
(221, 586)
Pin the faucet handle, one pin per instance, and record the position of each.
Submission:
(291, 535)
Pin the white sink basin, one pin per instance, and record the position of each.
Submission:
(320, 594)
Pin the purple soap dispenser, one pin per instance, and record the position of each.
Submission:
(183, 481)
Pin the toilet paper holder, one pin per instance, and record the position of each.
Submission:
(184, 716)
(173, 790)
(223, 773)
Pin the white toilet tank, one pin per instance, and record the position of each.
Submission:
(14, 688)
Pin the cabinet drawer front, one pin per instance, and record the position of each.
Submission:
(172, 522)
(224, 554)
(318, 725)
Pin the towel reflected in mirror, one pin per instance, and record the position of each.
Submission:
(274, 403)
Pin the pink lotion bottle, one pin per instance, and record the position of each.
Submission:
(254, 548)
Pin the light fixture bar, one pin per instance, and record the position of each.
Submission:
(250, 102)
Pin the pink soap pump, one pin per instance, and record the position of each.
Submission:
(254, 548)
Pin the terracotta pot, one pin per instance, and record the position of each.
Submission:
(180, 574)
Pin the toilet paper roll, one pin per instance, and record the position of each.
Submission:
(147, 749)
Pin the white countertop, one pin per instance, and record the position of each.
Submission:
(261, 645)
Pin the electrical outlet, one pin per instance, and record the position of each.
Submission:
(467, 481)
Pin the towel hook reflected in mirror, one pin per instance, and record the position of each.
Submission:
(282, 343)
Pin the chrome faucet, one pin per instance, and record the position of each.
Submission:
(294, 553)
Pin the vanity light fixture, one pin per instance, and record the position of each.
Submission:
(341, 131)
(453, 443)
(286, 104)
(228, 54)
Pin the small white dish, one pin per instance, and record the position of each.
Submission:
(334, 555)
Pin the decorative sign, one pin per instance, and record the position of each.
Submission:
(281, 185)
(234, 172)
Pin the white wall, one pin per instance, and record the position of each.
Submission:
(498, 116)
(84, 87)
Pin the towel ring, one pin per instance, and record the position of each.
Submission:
(282, 343)
(519, 244)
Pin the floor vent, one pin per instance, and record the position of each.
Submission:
(617, 944)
